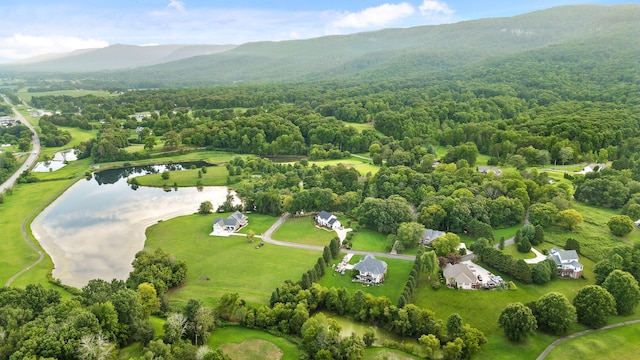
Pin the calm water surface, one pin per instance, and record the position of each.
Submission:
(97, 226)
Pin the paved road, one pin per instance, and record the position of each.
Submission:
(362, 157)
(573, 336)
(33, 156)
(266, 237)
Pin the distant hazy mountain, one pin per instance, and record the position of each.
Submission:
(113, 57)
(417, 52)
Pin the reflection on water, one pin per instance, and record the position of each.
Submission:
(96, 227)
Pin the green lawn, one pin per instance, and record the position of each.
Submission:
(239, 335)
(618, 343)
(211, 156)
(303, 230)
(25, 202)
(215, 176)
(369, 240)
(27, 96)
(506, 233)
(74, 169)
(259, 223)
(363, 166)
(217, 265)
(397, 275)
(513, 251)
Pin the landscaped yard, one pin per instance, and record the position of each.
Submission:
(397, 275)
(513, 251)
(363, 166)
(303, 230)
(217, 265)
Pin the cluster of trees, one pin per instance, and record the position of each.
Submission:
(553, 313)
(528, 236)
(623, 257)
(505, 263)
(426, 263)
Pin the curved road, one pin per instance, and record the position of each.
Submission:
(28, 164)
(33, 155)
(266, 237)
(572, 336)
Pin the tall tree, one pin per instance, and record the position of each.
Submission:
(624, 288)
(593, 305)
(554, 313)
(518, 321)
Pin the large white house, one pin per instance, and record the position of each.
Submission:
(371, 270)
(567, 262)
(327, 219)
(230, 224)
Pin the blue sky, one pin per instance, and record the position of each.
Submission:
(33, 27)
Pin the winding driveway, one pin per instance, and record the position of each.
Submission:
(266, 237)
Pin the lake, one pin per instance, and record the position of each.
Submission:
(97, 226)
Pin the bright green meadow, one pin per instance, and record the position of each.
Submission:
(303, 230)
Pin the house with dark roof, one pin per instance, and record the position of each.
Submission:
(370, 270)
(567, 262)
(460, 276)
(231, 223)
(429, 235)
(327, 219)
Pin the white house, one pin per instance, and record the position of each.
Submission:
(429, 235)
(460, 276)
(327, 219)
(567, 262)
(371, 270)
(230, 224)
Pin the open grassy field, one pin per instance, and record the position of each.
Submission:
(513, 251)
(241, 343)
(27, 96)
(363, 166)
(211, 156)
(74, 169)
(217, 265)
(617, 343)
(369, 240)
(397, 275)
(215, 176)
(303, 230)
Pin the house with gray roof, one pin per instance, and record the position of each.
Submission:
(370, 270)
(231, 223)
(327, 219)
(429, 235)
(486, 169)
(567, 262)
(460, 276)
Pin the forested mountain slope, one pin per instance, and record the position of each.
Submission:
(551, 35)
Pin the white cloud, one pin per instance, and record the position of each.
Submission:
(19, 46)
(176, 4)
(374, 16)
(433, 8)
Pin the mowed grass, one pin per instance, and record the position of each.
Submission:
(513, 251)
(397, 275)
(74, 169)
(363, 166)
(217, 265)
(211, 156)
(303, 230)
(231, 338)
(27, 96)
(25, 202)
(617, 343)
(369, 240)
(215, 176)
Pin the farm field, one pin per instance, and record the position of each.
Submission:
(303, 230)
(27, 96)
(217, 265)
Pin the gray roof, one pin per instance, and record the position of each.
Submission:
(485, 169)
(239, 216)
(225, 221)
(560, 257)
(430, 234)
(324, 215)
(371, 265)
(460, 272)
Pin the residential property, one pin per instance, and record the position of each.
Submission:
(327, 219)
(429, 235)
(7, 121)
(567, 262)
(230, 224)
(460, 276)
(371, 270)
(486, 169)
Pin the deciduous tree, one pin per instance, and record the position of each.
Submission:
(593, 305)
(518, 321)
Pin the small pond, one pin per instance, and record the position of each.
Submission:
(98, 225)
(59, 161)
